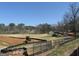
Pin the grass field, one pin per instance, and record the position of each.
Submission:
(65, 49)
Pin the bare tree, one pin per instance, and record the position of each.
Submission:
(70, 18)
(74, 9)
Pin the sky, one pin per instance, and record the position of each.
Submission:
(32, 13)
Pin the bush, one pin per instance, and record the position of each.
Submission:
(54, 35)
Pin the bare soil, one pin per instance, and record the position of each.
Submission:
(11, 41)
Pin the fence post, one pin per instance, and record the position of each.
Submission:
(51, 44)
(46, 45)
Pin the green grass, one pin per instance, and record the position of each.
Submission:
(65, 49)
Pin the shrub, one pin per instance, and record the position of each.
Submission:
(54, 35)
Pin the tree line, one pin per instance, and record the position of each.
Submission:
(22, 28)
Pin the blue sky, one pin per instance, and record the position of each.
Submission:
(31, 13)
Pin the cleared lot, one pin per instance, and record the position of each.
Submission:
(11, 41)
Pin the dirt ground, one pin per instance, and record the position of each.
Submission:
(11, 41)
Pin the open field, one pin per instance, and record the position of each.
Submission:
(24, 35)
(39, 36)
